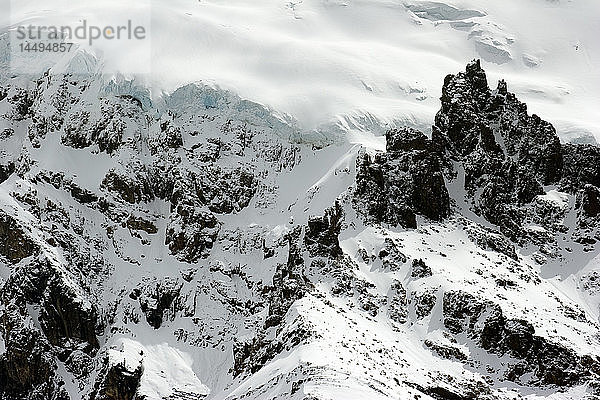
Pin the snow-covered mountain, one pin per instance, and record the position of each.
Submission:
(354, 64)
(276, 232)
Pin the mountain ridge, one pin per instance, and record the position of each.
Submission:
(255, 265)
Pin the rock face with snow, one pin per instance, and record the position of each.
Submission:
(206, 248)
(406, 181)
(581, 165)
(506, 154)
(540, 360)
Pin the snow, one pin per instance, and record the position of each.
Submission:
(166, 370)
(355, 63)
(561, 199)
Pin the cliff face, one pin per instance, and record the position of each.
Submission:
(210, 250)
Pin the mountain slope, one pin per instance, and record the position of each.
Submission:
(211, 249)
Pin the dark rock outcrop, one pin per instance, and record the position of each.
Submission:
(172, 136)
(507, 154)
(495, 241)
(6, 170)
(27, 368)
(487, 138)
(396, 300)
(191, 233)
(250, 356)
(445, 351)
(581, 166)
(483, 321)
(118, 382)
(289, 282)
(391, 257)
(321, 237)
(587, 204)
(28, 365)
(66, 321)
(225, 191)
(67, 325)
(420, 269)
(424, 302)
(159, 301)
(22, 102)
(479, 125)
(62, 182)
(140, 224)
(589, 200)
(15, 245)
(406, 181)
(104, 127)
(132, 189)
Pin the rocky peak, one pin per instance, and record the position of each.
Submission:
(474, 121)
(507, 155)
(465, 96)
(476, 76)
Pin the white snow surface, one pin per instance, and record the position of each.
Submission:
(354, 63)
